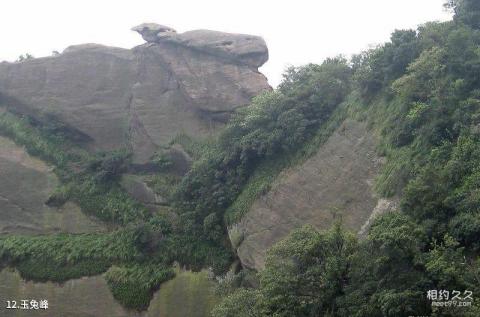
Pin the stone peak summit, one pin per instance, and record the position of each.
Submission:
(247, 49)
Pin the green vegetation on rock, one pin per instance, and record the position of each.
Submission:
(420, 94)
(90, 181)
(136, 256)
(188, 294)
(133, 286)
(260, 141)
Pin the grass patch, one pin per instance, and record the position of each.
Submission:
(133, 286)
(65, 256)
(43, 270)
(49, 148)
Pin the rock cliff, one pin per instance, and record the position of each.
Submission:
(140, 98)
(26, 183)
(335, 183)
(108, 98)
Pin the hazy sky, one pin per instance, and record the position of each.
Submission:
(297, 32)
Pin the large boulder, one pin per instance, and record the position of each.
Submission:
(137, 98)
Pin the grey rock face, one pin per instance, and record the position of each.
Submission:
(248, 49)
(188, 294)
(26, 183)
(138, 98)
(335, 183)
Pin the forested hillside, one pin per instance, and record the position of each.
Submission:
(419, 93)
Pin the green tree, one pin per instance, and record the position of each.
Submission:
(242, 303)
(387, 278)
(466, 11)
(305, 274)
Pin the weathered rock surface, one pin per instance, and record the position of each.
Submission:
(25, 185)
(248, 49)
(188, 294)
(138, 98)
(336, 182)
(85, 297)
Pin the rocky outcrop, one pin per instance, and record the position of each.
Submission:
(248, 49)
(140, 98)
(336, 183)
(26, 183)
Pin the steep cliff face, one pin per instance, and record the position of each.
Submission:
(336, 183)
(110, 98)
(139, 98)
(25, 185)
(107, 98)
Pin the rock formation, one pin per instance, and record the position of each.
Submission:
(336, 183)
(142, 97)
(25, 185)
(241, 48)
(109, 98)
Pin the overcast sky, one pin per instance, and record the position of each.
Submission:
(297, 32)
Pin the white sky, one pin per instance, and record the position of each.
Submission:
(297, 32)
